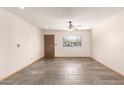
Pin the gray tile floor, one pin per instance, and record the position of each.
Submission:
(65, 71)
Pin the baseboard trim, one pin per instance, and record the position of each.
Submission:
(21, 69)
(109, 67)
(72, 57)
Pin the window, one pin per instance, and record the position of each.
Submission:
(71, 41)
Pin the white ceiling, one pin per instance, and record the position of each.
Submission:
(56, 18)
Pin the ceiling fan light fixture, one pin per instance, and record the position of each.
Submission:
(21, 7)
(70, 30)
(71, 27)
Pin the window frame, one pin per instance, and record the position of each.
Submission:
(76, 38)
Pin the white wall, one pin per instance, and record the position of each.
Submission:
(108, 42)
(61, 51)
(13, 31)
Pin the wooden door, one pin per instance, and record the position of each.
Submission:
(49, 50)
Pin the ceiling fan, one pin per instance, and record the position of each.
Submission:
(72, 27)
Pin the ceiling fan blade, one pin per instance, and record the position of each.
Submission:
(76, 29)
(79, 26)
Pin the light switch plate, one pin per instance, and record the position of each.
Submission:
(18, 45)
